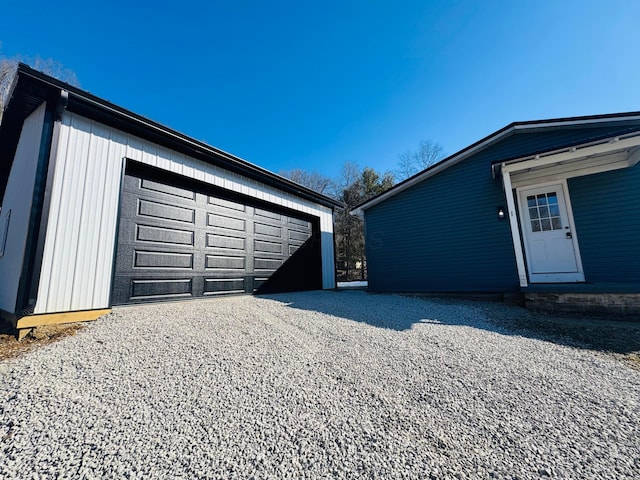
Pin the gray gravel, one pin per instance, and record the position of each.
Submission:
(316, 385)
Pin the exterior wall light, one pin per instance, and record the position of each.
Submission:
(501, 213)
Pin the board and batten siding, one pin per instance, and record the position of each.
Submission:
(606, 210)
(16, 205)
(444, 235)
(81, 232)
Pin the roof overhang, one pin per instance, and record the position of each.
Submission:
(612, 153)
(516, 127)
(33, 87)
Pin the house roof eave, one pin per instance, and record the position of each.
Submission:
(525, 126)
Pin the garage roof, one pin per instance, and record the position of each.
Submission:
(31, 88)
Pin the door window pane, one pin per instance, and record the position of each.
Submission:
(544, 212)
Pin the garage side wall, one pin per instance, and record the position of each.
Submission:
(81, 234)
(16, 208)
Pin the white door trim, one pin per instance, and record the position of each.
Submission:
(577, 276)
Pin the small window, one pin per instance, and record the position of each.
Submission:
(4, 232)
(544, 212)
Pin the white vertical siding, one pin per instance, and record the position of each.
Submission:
(17, 199)
(81, 232)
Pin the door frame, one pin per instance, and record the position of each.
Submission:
(551, 277)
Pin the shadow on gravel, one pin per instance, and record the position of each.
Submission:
(606, 334)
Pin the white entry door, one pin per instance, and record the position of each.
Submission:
(549, 239)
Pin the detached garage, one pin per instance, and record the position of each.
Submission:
(103, 207)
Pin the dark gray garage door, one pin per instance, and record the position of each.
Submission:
(178, 240)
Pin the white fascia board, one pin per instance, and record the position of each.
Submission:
(607, 146)
(579, 168)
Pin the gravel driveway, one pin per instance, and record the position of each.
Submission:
(316, 385)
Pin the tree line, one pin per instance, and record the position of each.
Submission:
(355, 185)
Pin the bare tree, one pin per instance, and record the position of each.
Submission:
(49, 66)
(313, 180)
(412, 162)
(54, 69)
(7, 72)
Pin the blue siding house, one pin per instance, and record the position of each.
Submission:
(549, 209)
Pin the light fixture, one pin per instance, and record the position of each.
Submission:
(501, 213)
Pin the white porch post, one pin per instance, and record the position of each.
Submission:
(513, 222)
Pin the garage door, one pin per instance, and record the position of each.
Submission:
(178, 240)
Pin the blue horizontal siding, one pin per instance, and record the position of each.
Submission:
(443, 234)
(434, 237)
(606, 210)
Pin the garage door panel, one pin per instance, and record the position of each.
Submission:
(222, 205)
(178, 243)
(221, 262)
(300, 224)
(293, 249)
(263, 246)
(226, 223)
(127, 252)
(266, 214)
(167, 189)
(163, 260)
(164, 235)
(217, 286)
(161, 288)
(226, 242)
(299, 237)
(267, 230)
(269, 264)
(258, 283)
(165, 211)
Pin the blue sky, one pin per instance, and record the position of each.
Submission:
(295, 84)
